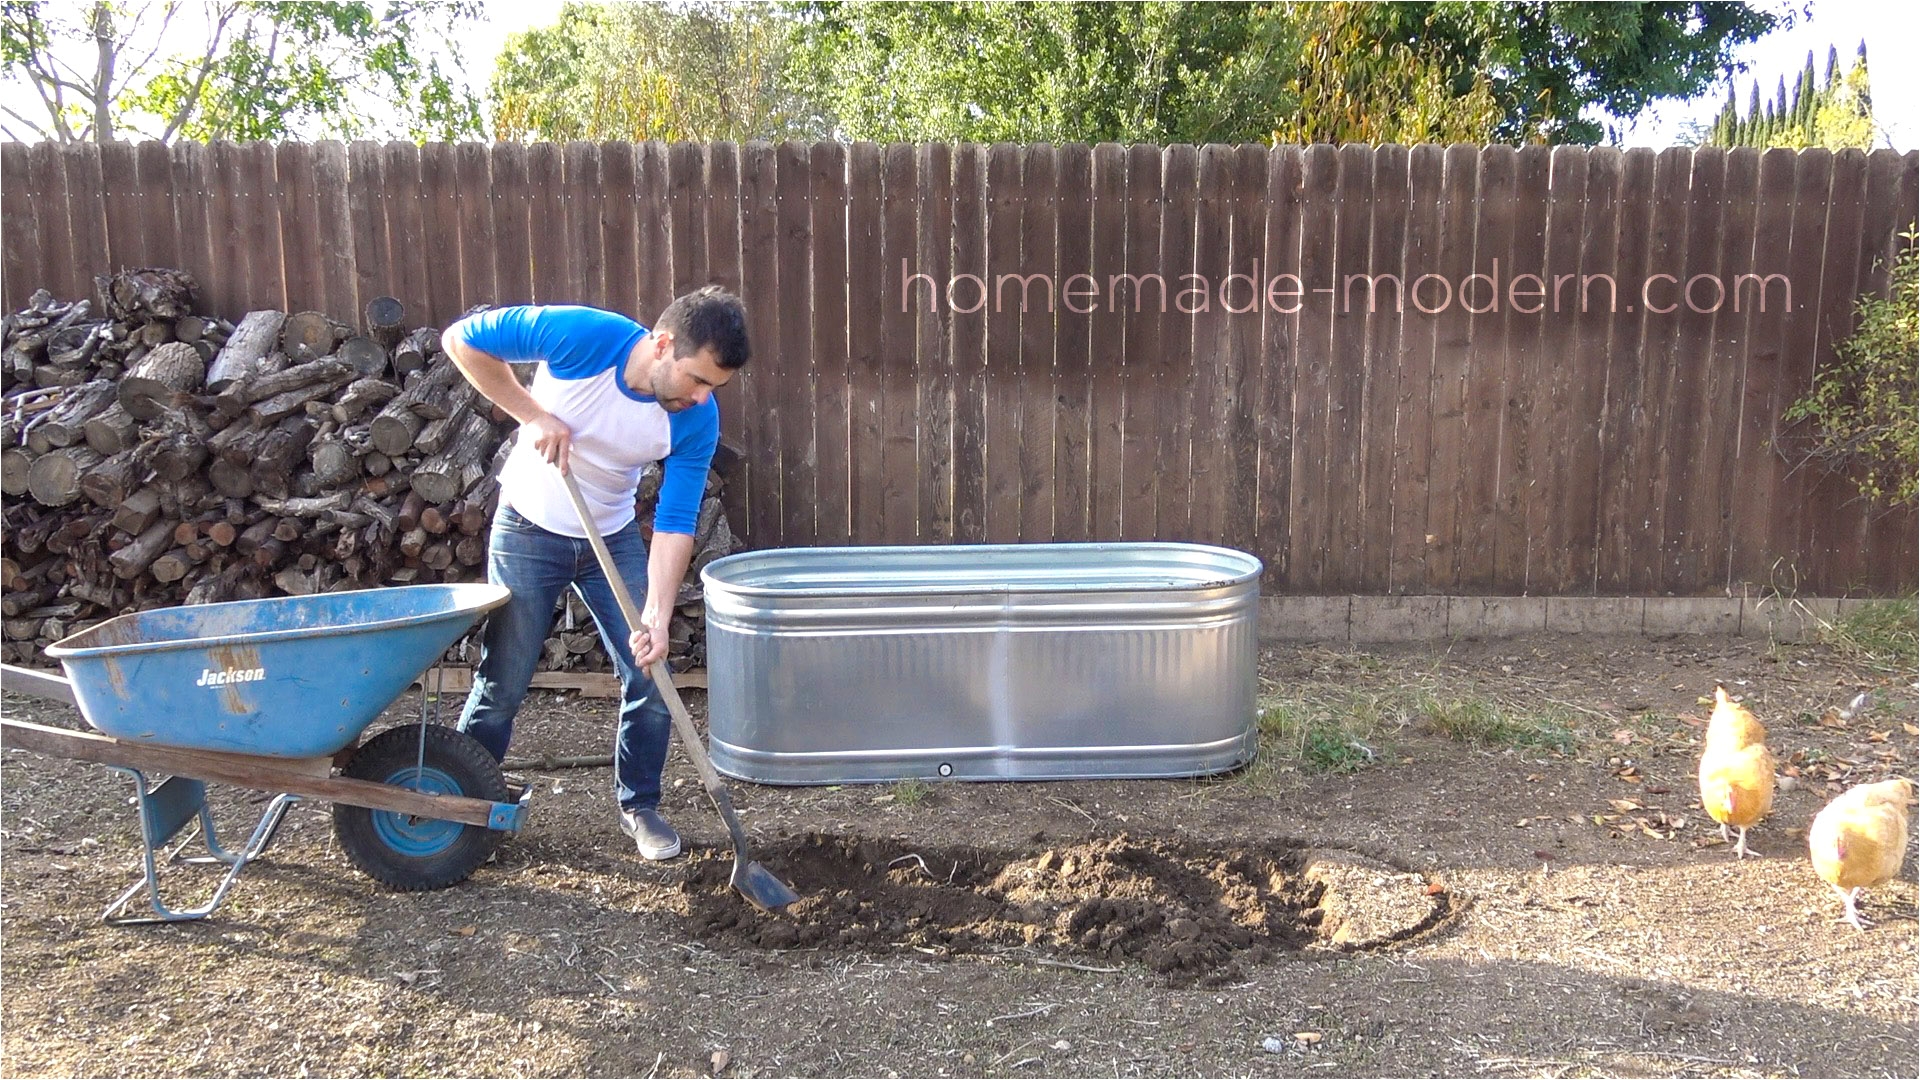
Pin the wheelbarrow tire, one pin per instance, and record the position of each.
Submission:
(411, 854)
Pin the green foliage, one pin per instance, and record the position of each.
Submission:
(1053, 71)
(1865, 408)
(1354, 86)
(1322, 734)
(1049, 71)
(1884, 634)
(1836, 115)
(1550, 61)
(1327, 751)
(700, 71)
(253, 70)
(1233, 72)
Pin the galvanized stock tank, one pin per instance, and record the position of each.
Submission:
(981, 662)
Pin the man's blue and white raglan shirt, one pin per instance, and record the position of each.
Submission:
(616, 430)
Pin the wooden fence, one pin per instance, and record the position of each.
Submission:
(1601, 427)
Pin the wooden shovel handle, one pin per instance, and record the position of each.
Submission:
(662, 680)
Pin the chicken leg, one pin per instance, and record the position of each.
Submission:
(1739, 848)
(1851, 898)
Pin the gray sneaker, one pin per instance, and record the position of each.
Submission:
(651, 833)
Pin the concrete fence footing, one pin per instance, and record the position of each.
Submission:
(1375, 619)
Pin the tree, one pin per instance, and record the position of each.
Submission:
(1551, 63)
(1051, 71)
(700, 71)
(1836, 115)
(1164, 72)
(242, 69)
(1353, 86)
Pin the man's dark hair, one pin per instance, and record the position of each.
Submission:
(711, 316)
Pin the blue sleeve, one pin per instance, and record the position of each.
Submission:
(575, 342)
(683, 473)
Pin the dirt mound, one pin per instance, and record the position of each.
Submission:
(1186, 912)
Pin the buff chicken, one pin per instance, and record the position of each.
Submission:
(1736, 769)
(1860, 839)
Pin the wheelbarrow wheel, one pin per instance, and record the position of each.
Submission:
(414, 854)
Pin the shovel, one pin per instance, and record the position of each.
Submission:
(753, 881)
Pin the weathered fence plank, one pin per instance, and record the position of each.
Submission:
(1413, 373)
(512, 229)
(1143, 422)
(154, 177)
(1035, 404)
(936, 344)
(21, 260)
(1279, 333)
(193, 203)
(1556, 446)
(799, 469)
(1173, 496)
(90, 252)
(830, 437)
(723, 257)
(1386, 316)
(1100, 374)
(898, 229)
(865, 370)
(759, 276)
(1594, 294)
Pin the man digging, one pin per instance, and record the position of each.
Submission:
(609, 396)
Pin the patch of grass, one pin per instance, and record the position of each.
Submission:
(1492, 723)
(1330, 751)
(1881, 634)
(911, 792)
(1330, 731)
(1333, 725)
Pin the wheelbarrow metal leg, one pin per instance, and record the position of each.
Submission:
(263, 834)
(164, 810)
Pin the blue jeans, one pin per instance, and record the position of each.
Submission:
(536, 565)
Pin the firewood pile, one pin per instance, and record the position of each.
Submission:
(153, 455)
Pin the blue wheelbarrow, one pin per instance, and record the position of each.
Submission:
(274, 695)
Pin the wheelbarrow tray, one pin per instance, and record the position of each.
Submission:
(284, 677)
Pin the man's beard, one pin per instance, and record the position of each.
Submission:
(667, 401)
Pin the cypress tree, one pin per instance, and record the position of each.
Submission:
(1865, 104)
(1725, 121)
(1803, 97)
(1778, 119)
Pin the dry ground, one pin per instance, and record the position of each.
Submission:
(1400, 887)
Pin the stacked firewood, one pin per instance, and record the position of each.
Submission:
(168, 457)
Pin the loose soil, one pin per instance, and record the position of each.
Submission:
(1449, 908)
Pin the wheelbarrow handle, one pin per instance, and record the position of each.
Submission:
(662, 679)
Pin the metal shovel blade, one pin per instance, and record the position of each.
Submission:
(760, 887)
(750, 879)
